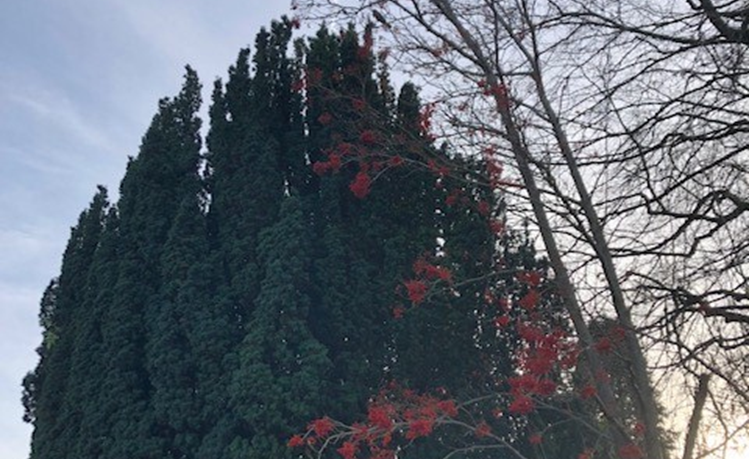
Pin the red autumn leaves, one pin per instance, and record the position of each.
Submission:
(427, 275)
(395, 414)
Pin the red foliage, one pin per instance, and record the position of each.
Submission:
(448, 408)
(297, 85)
(425, 118)
(419, 428)
(522, 405)
(322, 427)
(334, 162)
(368, 137)
(431, 272)
(546, 387)
(451, 199)
(530, 333)
(482, 430)
(395, 161)
(530, 300)
(501, 321)
(320, 168)
(497, 227)
(417, 290)
(360, 185)
(347, 450)
(296, 441)
(379, 417)
(631, 451)
(535, 439)
(530, 278)
(589, 391)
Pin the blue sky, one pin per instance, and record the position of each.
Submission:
(79, 83)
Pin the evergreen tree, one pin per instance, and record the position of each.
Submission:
(282, 379)
(63, 316)
(90, 361)
(156, 183)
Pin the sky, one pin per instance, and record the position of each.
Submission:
(79, 84)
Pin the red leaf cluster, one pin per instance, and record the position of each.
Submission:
(416, 290)
(322, 427)
(429, 271)
(530, 278)
(368, 137)
(522, 405)
(631, 451)
(361, 185)
(482, 430)
(347, 450)
(296, 441)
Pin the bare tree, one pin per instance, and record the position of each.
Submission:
(625, 121)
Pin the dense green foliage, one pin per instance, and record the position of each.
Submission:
(230, 297)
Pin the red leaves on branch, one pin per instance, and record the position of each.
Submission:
(347, 450)
(380, 417)
(423, 268)
(501, 321)
(530, 300)
(631, 451)
(425, 119)
(368, 137)
(497, 227)
(333, 164)
(522, 405)
(535, 439)
(420, 428)
(322, 427)
(448, 408)
(395, 161)
(296, 441)
(416, 291)
(297, 86)
(530, 278)
(440, 170)
(588, 391)
(482, 430)
(320, 168)
(361, 185)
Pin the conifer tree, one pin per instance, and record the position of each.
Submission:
(282, 377)
(351, 313)
(63, 316)
(156, 183)
(90, 361)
